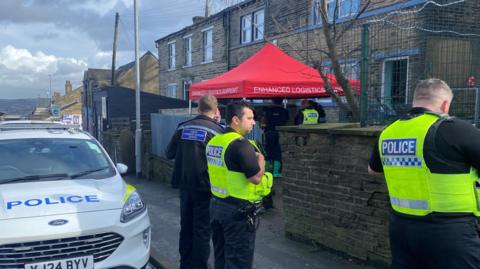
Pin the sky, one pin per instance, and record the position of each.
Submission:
(51, 41)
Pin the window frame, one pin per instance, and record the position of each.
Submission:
(246, 30)
(184, 90)
(169, 85)
(384, 62)
(187, 50)
(255, 28)
(205, 46)
(171, 55)
(251, 32)
(315, 12)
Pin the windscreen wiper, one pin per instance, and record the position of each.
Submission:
(83, 173)
(33, 178)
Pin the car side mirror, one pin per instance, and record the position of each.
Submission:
(122, 168)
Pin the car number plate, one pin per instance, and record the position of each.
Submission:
(72, 263)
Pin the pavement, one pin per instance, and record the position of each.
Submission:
(272, 249)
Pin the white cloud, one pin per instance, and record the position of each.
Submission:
(29, 72)
(22, 60)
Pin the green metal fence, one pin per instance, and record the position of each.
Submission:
(433, 40)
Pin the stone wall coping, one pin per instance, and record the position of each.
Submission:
(335, 128)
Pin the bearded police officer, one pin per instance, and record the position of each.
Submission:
(190, 174)
(430, 162)
(238, 183)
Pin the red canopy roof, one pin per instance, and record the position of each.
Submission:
(269, 73)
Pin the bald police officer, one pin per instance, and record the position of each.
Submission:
(430, 162)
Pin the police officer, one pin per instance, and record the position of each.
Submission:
(310, 113)
(274, 116)
(430, 163)
(238, 183)
(190, 174)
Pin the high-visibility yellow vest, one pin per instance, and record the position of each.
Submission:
(227, 183)
(413, 188)
(310, 116)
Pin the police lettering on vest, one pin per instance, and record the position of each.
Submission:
(404, 147)
(214, 155)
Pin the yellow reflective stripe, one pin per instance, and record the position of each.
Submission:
(128, 190)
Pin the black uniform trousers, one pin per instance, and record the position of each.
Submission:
(233, 236)
(194, 245)
(452, 244)
(272, 146)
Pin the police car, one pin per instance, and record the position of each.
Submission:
(63, 203)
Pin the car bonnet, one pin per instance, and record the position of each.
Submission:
(32, 199)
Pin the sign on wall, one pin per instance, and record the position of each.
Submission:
(72, 119)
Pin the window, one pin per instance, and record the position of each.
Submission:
(47, 156)
(346, 8)
(258, 22)
(186, 88)
(171, 56)
(316, 19)
(207, 45)
(188, 50)
(172, 90)
(246, 29)
(395, 81)
(252, 27)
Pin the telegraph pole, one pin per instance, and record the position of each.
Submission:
(50, 89)
(138, 131)
(114, 53)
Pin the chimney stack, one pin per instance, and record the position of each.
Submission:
(197, 19)
(68, 87)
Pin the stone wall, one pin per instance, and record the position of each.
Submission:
(149, 80)
(328, 196)
(71, 102)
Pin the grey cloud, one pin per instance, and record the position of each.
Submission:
(46, 36)
(68, 67)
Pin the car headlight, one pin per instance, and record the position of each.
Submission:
(133, 207)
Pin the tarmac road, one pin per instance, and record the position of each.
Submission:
(272, 250)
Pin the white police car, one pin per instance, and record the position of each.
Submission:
(64, 205)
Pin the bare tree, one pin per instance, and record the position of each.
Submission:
(332, 32)
(332, 35)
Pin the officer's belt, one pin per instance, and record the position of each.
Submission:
(234, 201)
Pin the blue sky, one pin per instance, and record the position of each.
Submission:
(63, 38)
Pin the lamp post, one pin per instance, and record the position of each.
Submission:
(138, 130)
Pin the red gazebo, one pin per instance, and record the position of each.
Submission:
(269, 73)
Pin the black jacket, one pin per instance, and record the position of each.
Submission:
(187, 146)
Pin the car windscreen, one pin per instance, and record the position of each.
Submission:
(47, 158)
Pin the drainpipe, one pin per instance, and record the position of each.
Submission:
(229, 17)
